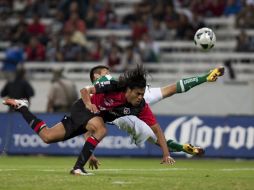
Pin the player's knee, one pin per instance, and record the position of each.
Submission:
(91, 127)
(46, 138)
(103, 130)
(47, 141)
(100, 133)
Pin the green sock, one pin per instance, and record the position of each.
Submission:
(186, 84)
(174, 147)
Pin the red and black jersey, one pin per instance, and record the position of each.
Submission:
(110, 100)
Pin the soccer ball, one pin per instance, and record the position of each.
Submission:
(205, 38)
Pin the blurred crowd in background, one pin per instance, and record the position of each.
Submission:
(65, 38)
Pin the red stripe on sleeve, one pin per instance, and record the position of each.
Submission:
(38, 126)
(92, 141)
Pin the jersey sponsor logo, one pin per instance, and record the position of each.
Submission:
(106, 82)
(102, 108)
(126, 111)
(108, 101)
(102, 84)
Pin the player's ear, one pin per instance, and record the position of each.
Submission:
(96, 76)
(128, 90)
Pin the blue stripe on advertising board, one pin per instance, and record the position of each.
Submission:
(231, 136)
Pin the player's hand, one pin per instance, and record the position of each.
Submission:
(94, 163)
(92, 108)
(167, 160)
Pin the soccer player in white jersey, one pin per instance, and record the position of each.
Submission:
(138, 130)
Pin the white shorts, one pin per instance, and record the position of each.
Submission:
(152, 95)
(138, 130)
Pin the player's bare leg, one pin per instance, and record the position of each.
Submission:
(53, 134)
(57, 132)
(48, 135)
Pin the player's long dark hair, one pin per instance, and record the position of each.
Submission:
(135, 78)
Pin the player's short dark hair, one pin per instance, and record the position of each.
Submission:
(95, 70)
(135, 78)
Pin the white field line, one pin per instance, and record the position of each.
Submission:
(121, 182)
(136, 170)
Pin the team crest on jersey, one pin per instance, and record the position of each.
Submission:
(126, 111)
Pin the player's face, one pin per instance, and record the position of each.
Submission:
(103, 72)
(135, 96)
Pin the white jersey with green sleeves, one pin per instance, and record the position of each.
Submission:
(104, 79)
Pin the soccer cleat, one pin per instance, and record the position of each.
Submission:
(215, 73)
(80, 171)
(16, 103)
(193, 150)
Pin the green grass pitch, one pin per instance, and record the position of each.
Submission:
(52, 173)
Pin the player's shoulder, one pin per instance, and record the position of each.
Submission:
(107, 86)
(108, 83)
(104, 79)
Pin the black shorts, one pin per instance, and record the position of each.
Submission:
(75, 123)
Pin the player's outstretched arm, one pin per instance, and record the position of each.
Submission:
(162, 142)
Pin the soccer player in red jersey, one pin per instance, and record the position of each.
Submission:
(110, 100)
(138, 130)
